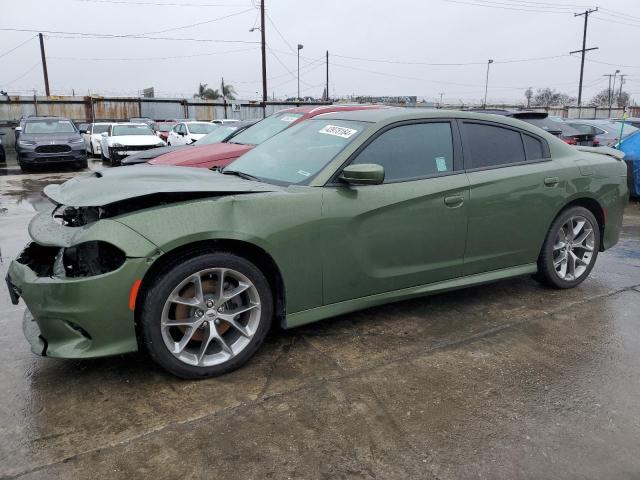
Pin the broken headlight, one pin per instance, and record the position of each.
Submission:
(88, 259)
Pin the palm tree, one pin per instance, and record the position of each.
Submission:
(230, 92)
(206, 93)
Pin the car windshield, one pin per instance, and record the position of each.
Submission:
(49, 126)
(201, 128)
(119, 130)
(100, 128)
(218, 135)
(299, 153)
(267, 128)
(164, 127)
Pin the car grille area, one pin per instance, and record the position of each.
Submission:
(39, 258)
(53, 149)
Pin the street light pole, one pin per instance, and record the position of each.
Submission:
(486, 84)
(300, 47)
(613, 89)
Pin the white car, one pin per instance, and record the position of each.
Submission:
(124, 139)
(223, 121)
(92, 137)
(185, 133)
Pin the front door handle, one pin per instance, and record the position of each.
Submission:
(454, 201)
(551, 181)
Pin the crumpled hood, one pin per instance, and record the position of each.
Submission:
(203, 156)
(117, 184)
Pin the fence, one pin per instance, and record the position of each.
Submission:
(90, 109)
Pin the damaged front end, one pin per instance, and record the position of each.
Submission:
(75, 277)
(80, 274)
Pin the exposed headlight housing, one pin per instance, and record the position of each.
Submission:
(76, 140)
(88, 259)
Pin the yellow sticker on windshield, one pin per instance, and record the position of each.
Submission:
(334, 130)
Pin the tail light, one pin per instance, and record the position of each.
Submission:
(570, 141)
(596, 142)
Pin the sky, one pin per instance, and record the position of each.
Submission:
(375, 48)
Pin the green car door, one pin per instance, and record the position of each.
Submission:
(409, 230)
(515, 189)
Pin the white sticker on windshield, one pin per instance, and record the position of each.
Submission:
(342, 132)
(289, 118)
(303, 173)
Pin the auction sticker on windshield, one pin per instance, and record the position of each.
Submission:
(342, 132)
(288, 118)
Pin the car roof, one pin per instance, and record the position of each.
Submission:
(313, 110)
(398, 114)
(45, 119)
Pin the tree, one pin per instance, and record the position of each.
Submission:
(205, 93)
(545, 97)
(602, 99)
(230, 92)
(528, 93)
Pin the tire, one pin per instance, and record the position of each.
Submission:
(91, 152)
(212, 320)
(557, 264)
(82, 164)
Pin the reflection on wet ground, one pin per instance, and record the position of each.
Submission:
(508, 380)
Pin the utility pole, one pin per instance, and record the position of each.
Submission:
(584, 50)
(44, 65)
(613, 90)
(609, 89)
(264, 60)
(486, 85)
(300, 47)
(620, 91)
(327, 84)
(442, 95)
(224, 99)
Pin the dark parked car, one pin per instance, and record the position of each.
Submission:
(542, 120)
(3, 156)
(222, 134)
(607, 132)
(49, 140)
(633, 121)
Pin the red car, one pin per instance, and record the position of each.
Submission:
(162, 128)
(219, 155)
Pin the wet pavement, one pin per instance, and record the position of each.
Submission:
(509, 380)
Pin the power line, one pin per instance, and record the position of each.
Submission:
(53, 33)
(279, 33)
(33, 67)
(503, 6)
(123, 2)
(176, 57)
(199, 23)
(18, 46)
(436, 64)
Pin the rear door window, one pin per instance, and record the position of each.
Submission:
(533, 147)
(411, 151)
(492, 146)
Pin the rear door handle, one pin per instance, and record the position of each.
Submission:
(454, 201)
(551, 181)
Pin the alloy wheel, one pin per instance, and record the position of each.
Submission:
(573, 248)
(210, 317)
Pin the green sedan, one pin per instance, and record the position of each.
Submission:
(342, 212)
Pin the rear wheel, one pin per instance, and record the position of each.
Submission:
(570, 250)
(206, 316)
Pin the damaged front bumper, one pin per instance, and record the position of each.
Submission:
(85, 316)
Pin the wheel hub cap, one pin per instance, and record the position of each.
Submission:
(573, 248)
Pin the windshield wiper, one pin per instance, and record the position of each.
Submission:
(237, 173)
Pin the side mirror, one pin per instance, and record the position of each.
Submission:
(363, 174)
(18, 129)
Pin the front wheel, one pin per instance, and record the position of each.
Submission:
(570, 250)
(207, 315)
